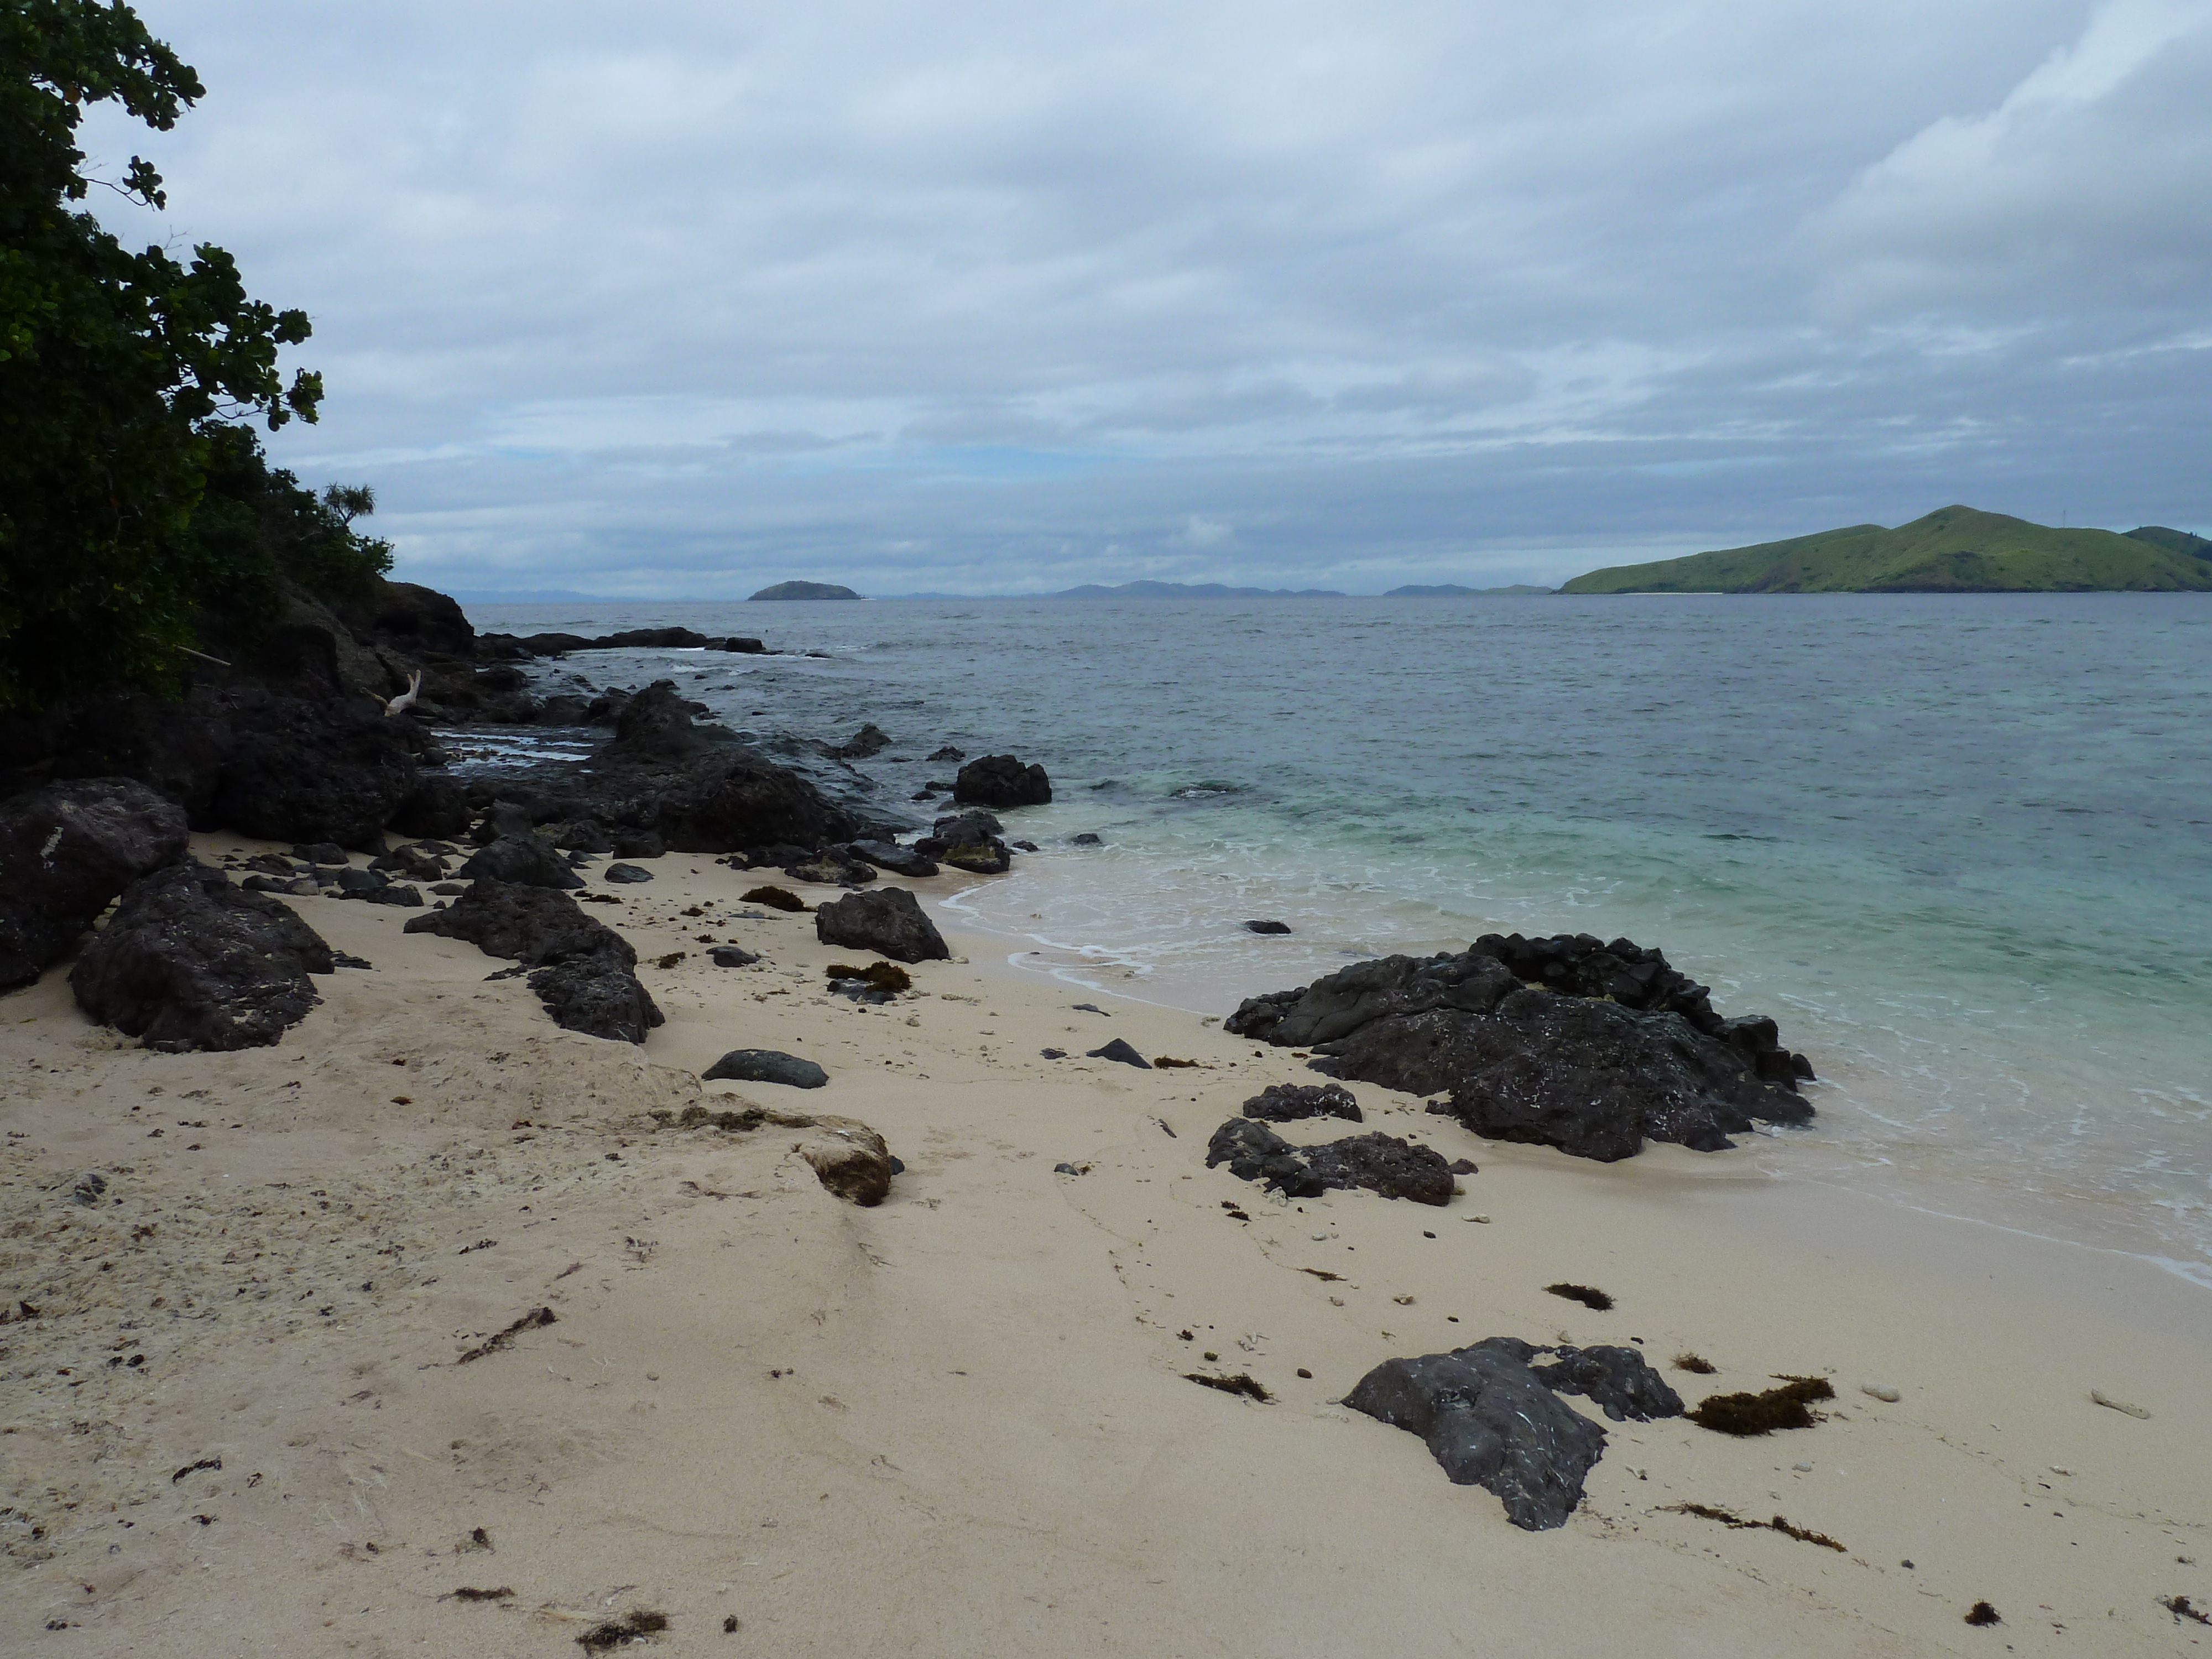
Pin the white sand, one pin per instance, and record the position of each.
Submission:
(957, 1423)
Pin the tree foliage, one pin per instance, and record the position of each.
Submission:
(131, 493)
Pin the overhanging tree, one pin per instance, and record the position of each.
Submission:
(123, 375)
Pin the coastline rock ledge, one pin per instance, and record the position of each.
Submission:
(1563, 1041)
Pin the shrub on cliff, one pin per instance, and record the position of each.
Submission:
(129, 498)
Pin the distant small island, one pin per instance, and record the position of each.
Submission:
(1454, 590)
(1955, 550)
(1189, 591)
(806, 591)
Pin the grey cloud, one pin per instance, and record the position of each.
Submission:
(1010, 297)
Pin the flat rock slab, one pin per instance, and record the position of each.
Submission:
(1119, 1049)
(1286, 1103)
(766, 1066)
(1375, 1162)
(1491, 1422)
(189, 962)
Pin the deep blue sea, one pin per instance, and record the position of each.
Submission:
(1959, 846)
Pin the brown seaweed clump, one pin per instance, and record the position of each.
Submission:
(1697, 1363)
(1249, 1387)
(1588, 1296)
(1785, 1407)
(777, 898)
(1727, 1518)
(620, 1632)
(1982, 1613)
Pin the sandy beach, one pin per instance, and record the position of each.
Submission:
(240, 1418)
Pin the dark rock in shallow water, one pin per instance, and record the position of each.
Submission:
(1267, 927)
(1001, 780)
(947, 753)
(870, 740)
(766, 1066)
(629, 873)
(529, 859)
(988, 858)
(1378, 1163)
(1620, 1381)
(1086, 839)
(587, 984)
(1120, 1050)
(1285, 1102)
(888, 855)
(1491, 1422)
(190, 962)
(886, 921)
(1561, 1067)
(66, 851)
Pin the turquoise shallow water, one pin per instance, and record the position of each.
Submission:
(1960, 846)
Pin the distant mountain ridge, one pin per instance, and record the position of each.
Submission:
(1954, 549)
(1147, 590)
(1454, 590)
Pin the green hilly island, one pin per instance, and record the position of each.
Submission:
(1955, 550)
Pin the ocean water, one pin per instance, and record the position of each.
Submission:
(1961, 846)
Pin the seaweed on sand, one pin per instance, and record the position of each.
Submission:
(1785, 1407)
(1588, 1296)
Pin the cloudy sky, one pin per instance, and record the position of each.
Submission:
(674, 299)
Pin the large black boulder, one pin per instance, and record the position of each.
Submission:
(1610, 1047)
(529, 859)
(1001, 780)
(299, 771)
(658, 725)
(584, 978)
(1491, 1422)
(887, 921)
(732, 800)
(190, 962)
(766, 1066)
(1286, 1103)
(1378, 1162)
(66, 852)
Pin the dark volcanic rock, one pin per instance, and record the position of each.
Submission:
(529, 859)
(1378, 1162)
(1283, 1103)
(599, 996)
(595, 993)
(948, 753)
(190, 962)
(831, 869)
(314, 771)
(1628, 1051)
(627, 873)
(534, 925)
(870, 740)
(988, 858)
(1002, 781)
(1491, 1422)
(1267, 927)
(657, 724)
(888, 855)
(766, 1066)
(886, 921)
(1120, 1051)
(1620, 1381)
(731, 800)
(437, 808)
(732, 956)
(65, 852)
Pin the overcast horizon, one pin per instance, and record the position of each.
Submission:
(684, 300)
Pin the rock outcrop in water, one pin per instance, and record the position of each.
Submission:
(1566, 1042)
